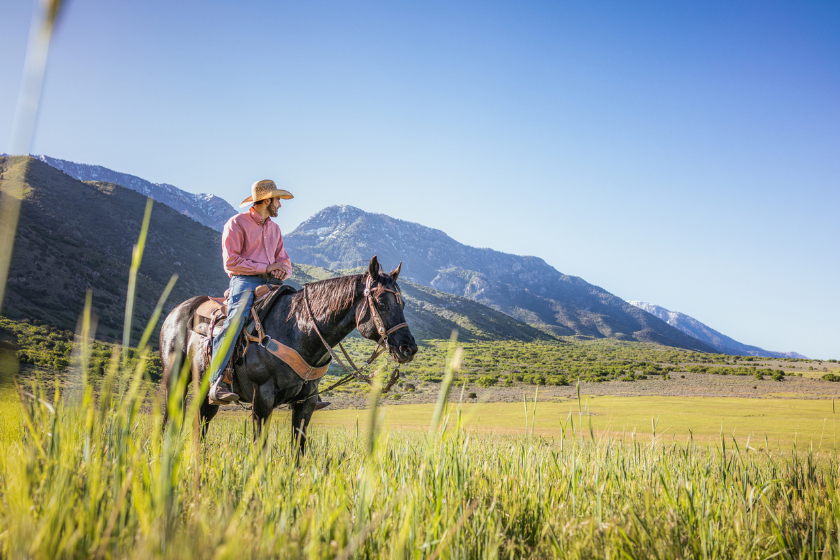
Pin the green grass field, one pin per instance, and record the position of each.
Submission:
(103, 480)
(783, 421)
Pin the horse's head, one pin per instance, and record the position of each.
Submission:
(385, 306)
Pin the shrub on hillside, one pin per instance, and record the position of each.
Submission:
(487, 381)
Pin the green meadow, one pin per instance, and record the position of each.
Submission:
(781, 423)
(104, 479)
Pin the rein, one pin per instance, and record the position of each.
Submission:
(381, 345)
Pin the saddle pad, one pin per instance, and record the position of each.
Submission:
(205, 311)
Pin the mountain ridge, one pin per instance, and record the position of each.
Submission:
(524, 287)
(206, 209)
(703, 332)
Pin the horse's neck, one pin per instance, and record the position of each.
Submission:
(345, 322)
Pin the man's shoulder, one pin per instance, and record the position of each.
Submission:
(236, 219)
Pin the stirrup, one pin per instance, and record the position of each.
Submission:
(220, 398)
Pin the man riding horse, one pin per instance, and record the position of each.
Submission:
(253, 253)
(290, 343)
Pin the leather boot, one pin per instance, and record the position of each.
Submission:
(222, 393)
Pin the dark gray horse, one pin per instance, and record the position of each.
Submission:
(338, 306)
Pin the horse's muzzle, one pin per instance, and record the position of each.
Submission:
(404, 353)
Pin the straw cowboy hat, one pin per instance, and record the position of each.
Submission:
(265, 189)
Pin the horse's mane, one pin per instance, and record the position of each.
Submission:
(328, 297)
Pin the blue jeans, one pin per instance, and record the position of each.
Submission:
(239, 301)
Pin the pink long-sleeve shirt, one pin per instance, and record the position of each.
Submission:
(250, 244)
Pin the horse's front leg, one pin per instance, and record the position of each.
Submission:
(301, 415)
(263, 404)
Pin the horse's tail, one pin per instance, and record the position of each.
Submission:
(174, 341)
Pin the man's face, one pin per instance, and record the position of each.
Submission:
(272, 207)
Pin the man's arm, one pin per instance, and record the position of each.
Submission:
(233, 240)
(282, 263)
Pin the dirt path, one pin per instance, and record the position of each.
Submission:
(680, 385)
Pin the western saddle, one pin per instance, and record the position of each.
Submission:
(208, 318)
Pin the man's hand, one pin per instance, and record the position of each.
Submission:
(276, 270)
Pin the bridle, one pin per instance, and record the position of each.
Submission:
(381, 345)
(370, 302)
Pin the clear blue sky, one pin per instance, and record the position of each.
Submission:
(681, 153)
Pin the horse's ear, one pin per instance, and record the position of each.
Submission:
(373, 269)
(396, 272)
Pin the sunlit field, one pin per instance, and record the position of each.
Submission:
(82, 477)
(784, 422)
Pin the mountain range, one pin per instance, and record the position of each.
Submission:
(527, 288)
(700, 331)
(485, 293)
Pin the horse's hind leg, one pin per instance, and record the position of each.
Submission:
(167, 394)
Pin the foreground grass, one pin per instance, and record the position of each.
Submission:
(785, 422)
(102, 479)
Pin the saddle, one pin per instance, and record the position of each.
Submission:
(208, 318)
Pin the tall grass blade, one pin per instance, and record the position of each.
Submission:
(136, 259)
(23, 126)
(453, 364)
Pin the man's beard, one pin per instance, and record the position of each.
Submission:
(272, 210)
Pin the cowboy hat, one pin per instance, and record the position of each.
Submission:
(265, 189)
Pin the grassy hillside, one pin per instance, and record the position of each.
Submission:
(563, 362)
(74, 236)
